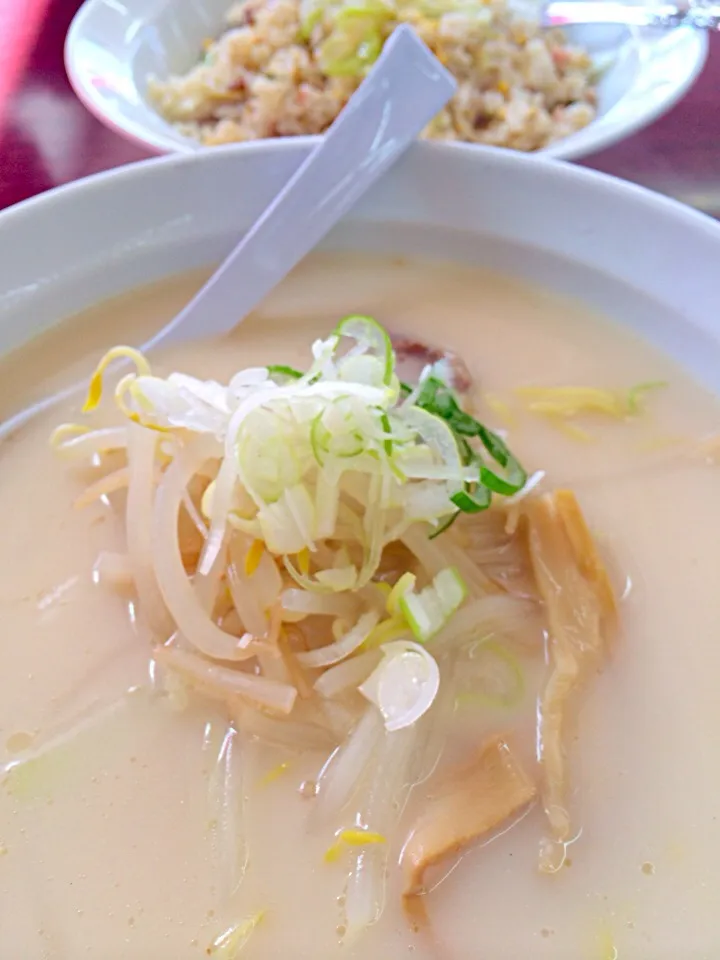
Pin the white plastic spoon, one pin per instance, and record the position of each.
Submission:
(403, 91)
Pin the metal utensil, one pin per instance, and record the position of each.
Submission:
(570, 13)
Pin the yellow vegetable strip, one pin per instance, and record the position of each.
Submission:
(274, 774)
(571, 430)
(228, 945)
(253, 557)
(94, 394)
(303, 561)
(351, 838)
(569, 401)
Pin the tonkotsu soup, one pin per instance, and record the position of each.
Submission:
(385, 627)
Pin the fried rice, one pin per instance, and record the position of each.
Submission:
(285, 68)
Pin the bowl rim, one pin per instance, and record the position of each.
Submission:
(597, 136)
(154, 218)
(544, 167)
(594, 200)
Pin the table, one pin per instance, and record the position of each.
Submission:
(48, 138)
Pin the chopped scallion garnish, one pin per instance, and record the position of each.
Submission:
(282, 370)
(436, 397)
(291, 436)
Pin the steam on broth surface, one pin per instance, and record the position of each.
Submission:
(142, 823)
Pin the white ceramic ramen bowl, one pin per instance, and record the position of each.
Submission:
(112, 48)
(644, 260)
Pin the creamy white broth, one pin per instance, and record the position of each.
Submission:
(110, 853)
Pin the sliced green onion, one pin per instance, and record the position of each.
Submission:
(389, 448)
(429, 610)
(310, 22)
(366, 53)
(281, 370)
(437, 434)
(404, 685)
(319, 439)
(436, 397)
(515, 476)
(445, 525)
(474, 502)
(356, 39)
(368, 332)
(311, 14)
(288, 440)
(367, 8)
(344, 442)
(434, 9)
(635, 394)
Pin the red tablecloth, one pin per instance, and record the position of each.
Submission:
(47, 137)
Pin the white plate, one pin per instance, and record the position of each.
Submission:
(113, 46)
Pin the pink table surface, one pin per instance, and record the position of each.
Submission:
(48, 138)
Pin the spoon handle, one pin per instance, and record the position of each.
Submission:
(696, 13)
(406, 87)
